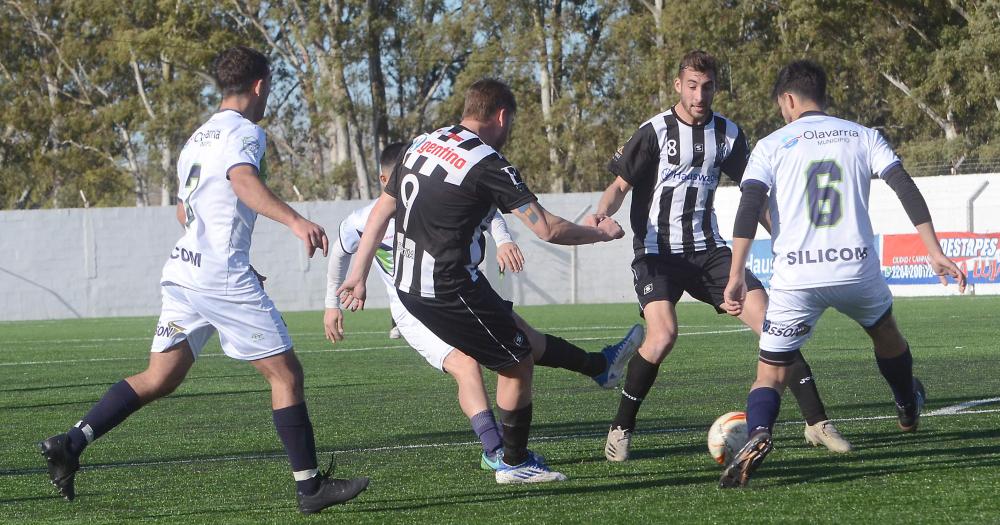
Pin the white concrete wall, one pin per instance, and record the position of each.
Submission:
(106, 262)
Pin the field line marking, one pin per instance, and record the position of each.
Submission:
(955, 409)
(396, 448)
(320, 351)
(145, 356)
(319, 333)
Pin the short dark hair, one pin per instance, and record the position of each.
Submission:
(805, 78)
(237, 68)
(390, 156)
(487, 96)
(700, 61)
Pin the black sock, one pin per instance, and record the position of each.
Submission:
(117, 404)
(560, 353)
(296, 433)
(638, 380)
(516, 426)
(898, 372)
(762, 410)
(803, 387)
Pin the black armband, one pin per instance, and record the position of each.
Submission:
(751, 204)
(908, 193)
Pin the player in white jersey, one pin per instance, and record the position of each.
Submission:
(208, 286)
(672, 165)
(603, 367)
(818, 171)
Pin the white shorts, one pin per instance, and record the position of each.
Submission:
(792, 314)
(418, 336)
(249, 325)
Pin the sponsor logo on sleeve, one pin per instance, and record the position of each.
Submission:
(515, 178)
(251, 145)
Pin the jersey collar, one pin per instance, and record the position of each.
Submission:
(813, 113)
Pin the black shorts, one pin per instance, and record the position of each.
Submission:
(476, 321)
(703, 275)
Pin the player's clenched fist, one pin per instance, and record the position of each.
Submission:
(611, 228)
(312, 235)
(734, 296)
(594, 219)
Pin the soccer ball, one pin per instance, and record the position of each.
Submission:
(726, 436)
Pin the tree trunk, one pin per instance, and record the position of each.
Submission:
(380, 116)
(547, 93)
(662, 79)
(132, 162)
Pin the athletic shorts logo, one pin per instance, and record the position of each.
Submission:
(519, 339)
(799, 330)
(647, 289)
(257, 337)
(699, 148)
(170, 330)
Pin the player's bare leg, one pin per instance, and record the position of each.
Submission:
(475, 405)
(316, 491)
(819, 430)
(661, 334)
(604, 367)
(166, 370)
(892, 353)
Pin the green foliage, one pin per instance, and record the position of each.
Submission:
(100, 99)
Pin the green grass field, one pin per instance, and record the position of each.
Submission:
(209, 453)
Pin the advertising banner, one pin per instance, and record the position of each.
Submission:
(904, 258)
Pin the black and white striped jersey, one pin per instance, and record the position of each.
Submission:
(448, 185)
(674, 169)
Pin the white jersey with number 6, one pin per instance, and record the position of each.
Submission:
(819, 170)
(214, 254)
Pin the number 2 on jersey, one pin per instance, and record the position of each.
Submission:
(822, 176)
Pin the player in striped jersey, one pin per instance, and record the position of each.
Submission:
(448, 184)
(674, 163)
(603, 367)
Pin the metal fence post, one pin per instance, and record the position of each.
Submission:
(572, 260)
(970, 218)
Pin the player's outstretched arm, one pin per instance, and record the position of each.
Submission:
(249, 189)
(916, 209)
(610, 203)
(509, 256)
(336, 274)
(556, 230)
(353, 292)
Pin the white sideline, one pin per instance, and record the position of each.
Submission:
(144, 357)
(394, 448)
(317, 333)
